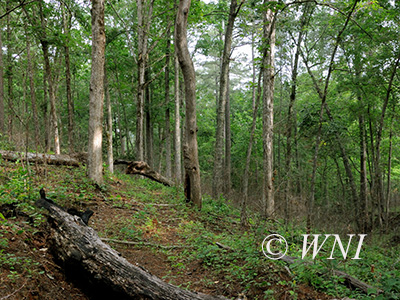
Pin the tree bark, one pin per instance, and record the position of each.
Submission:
(268, 202)
(218, 176)
(177, 131)
(168, 165)
(9, 75)
(70, 103)
(149, 125)
(144, 20)
(49, 79)
(95, 161)
(110, 153)
(101, 269)
(2, 112)
(190, 151)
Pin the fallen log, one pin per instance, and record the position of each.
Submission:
(348, 279)
(142, 168)
(101, 269)
(40, 158)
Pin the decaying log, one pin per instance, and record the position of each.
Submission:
(98, 266)
(142, 168)
(349, 280)
(41, 158)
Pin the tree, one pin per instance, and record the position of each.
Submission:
(190, 149)
(218, 174)
(268, 202)
(95, 161)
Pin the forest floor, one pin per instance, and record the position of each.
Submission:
(149, 224)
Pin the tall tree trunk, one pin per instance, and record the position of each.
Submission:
(228, 145)
(95, 161)
(168, 167)
(9, 75)
(149, 126)
(190, 151)
(291, 119)
(177, 131)
(110, 154)
(122, 140)
(32, 92)
(49, 79)
(2, 113)
(218, 174)
(389, 170)
(379, 192)
(70, 103)
(144, 20)
(268, 201)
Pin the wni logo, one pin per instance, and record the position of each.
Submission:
(317, 247)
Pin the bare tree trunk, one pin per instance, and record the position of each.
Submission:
(268, 202)
(389, 171)
(2, 114)
(168, 167)
(143, 31)
(119, 117)
(256, 102)
(177, 132)
(95, 161)
(190, 151)
(291, 119)
(9, 75)
(70, 103)
(110, 154)
(149, 127)
(221, 104)
(32, 92)
(228, 145)
(49, 78)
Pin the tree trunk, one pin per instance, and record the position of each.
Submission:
(144, 20)
(149, 127)
(49, 79)
(177, 132)
(190, 151)
(268, 202)
(9, 75)
(70, 103)
(110, 154)
(99, 268)
(32, 92)
(168, 167)
(228, 145)
(2, 113)
(95, 161)
(218, 175)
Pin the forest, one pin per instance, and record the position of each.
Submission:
(282, 113)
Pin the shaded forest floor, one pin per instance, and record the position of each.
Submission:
(151, 226)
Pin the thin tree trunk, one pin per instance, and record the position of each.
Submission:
(70, 103)
(190, 151)
(149, 127)
(143, 30)
(221, 104)
(268, 202)
(95, 161)
(32, 92)
(119, 116)
(228, 144)
(9, 75)
(389, 172)
(168, 167)
(49, 78)
(2, 113)
(177, 132)
(110, 154)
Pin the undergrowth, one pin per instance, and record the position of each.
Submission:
(159, 210)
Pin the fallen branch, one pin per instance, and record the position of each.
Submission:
(142, 168)
(97, 266)
(40, 158)
(144, 244)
